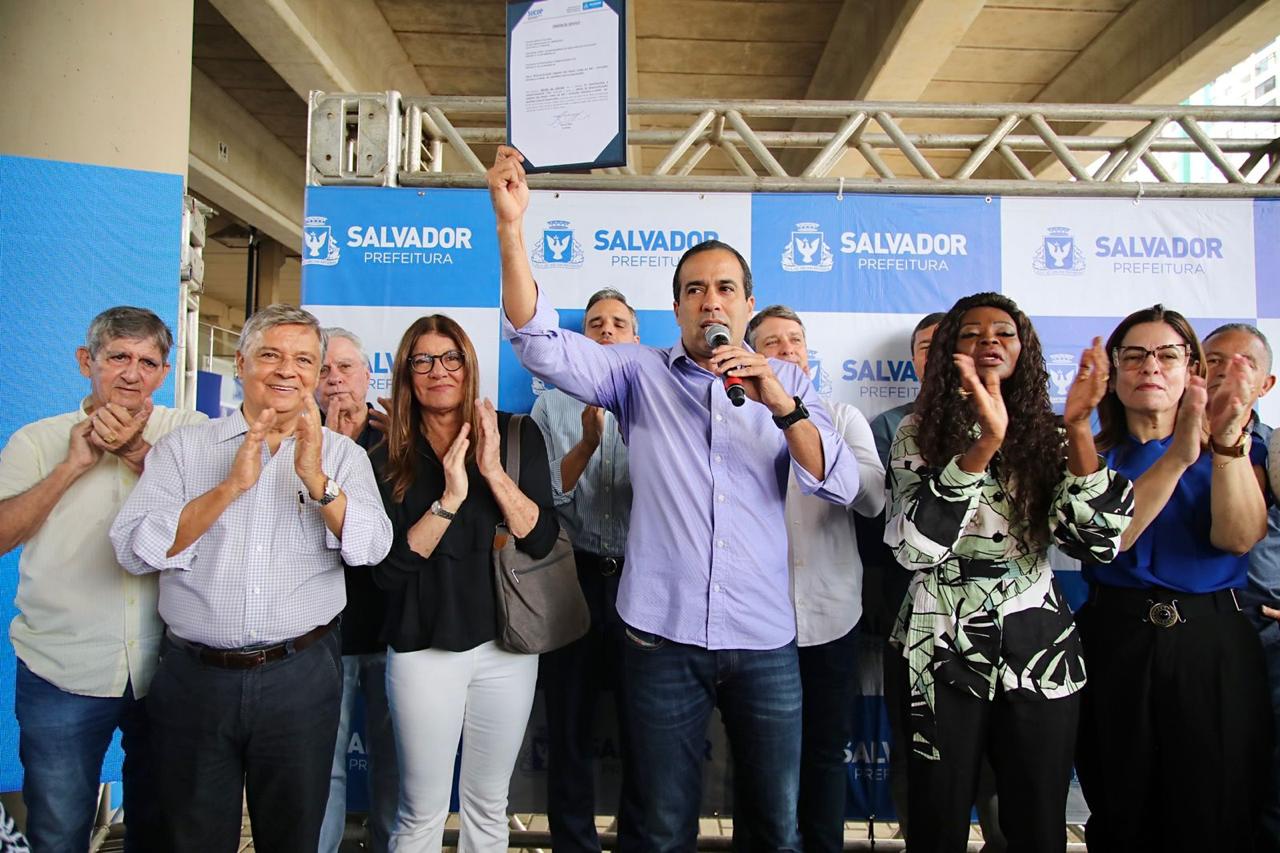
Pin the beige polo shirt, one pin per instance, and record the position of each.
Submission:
(84, 623)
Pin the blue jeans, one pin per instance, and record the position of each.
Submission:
(671, 689)
(366, 674)
(63, 738)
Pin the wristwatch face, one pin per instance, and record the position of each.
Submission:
(331, 492)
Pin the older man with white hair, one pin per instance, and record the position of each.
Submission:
(249, 520)
(344, 385)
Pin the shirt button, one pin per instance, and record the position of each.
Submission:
(253, 633)
(259, 549)
(132, 602)
(133, 643)
(720, 543)
(720, 498)
(606, 515)
(719, 417)
(717, 587)
(257, 590)
(717, 457)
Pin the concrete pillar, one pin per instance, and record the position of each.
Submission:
(270, 263)
(87, 81)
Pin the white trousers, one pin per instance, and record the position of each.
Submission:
(483, 695)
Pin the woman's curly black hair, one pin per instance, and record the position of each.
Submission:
(1032, 459)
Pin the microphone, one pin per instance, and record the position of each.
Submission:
(717, 335)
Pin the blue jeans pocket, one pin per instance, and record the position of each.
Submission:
(643, 640)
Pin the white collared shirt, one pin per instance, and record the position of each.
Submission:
(83, 624)
(268, 569)
(822, 548)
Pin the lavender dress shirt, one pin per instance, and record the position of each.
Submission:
(707, 552)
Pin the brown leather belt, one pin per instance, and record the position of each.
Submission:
(250, 658)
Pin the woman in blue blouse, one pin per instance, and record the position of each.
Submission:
(1175, 724)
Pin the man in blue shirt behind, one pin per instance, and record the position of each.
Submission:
(592, 490)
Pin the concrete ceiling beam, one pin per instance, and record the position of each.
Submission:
(319, 44)
(1158, 52)
(241, 167)
(882, 50)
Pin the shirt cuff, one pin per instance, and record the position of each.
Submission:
(954, 477)
(544, 322)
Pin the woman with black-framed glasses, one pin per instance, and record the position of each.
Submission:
(1175, 730)
(445, 489)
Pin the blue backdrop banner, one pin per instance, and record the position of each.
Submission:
(74, 240)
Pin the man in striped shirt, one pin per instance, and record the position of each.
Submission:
(249, 519)
(592, 490)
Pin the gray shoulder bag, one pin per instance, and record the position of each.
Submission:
(540, 602)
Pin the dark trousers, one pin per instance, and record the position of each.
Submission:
(672, 688)
(1175, 731)
(267, 732)
(1030, 745)
(573, 679)
(898, 701)
(828, 673)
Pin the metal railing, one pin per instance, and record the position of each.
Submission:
(843, 146)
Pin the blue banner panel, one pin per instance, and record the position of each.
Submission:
(380, 246)
(1266, 247)
(880, 254)
(517, 388)
(74, 240)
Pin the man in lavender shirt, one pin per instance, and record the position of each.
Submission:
(706, 597)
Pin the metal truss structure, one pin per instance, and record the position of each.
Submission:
(384, 139)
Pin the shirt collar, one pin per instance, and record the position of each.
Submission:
(678, 351)
(232, 426)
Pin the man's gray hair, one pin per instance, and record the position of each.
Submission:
(1247, 329)
(331, 332)
(125, 321)
(764, 314)
(611, 293)
(278, 314)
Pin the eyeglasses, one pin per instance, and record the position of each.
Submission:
(1167, 356)
(422, 362)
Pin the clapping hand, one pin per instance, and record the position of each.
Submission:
(308, 441)
(1188, 431)
(1089, 386)
(378, 418)
(489, 451)
(344, 415)
(247, 465)
(1228, 409)
(985, 398)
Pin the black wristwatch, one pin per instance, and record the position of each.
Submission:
(797, 415)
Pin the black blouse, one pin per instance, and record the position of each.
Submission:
(447, 601)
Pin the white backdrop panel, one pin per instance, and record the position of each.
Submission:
(1107, 257)
(580, 242)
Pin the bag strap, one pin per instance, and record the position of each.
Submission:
(513, 448)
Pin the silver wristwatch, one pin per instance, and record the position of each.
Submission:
(331, 492)
(437, 509)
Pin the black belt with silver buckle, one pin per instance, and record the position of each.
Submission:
(251, 658)
(1164, 608)
(607, 566)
